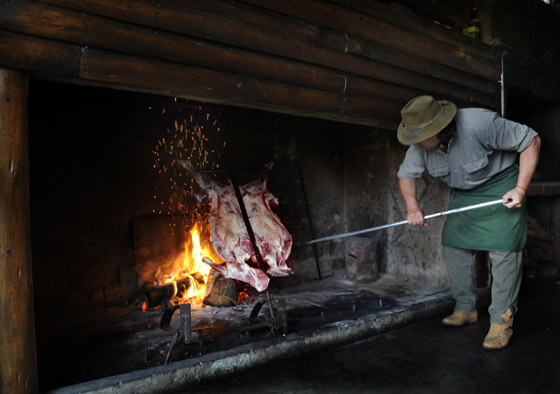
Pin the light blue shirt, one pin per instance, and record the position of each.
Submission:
(485, 145)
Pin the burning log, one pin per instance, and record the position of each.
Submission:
(221, 291)
(158, 295)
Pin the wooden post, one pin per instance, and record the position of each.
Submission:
(18, 364)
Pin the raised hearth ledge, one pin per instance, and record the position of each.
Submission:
(188, 374)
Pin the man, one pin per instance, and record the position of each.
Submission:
(482, 157)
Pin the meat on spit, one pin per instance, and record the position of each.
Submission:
(230, 238)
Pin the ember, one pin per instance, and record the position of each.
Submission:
(191, 266)
(184, 278)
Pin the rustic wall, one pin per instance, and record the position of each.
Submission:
(414, 252)
(544, 119)
(353, 61)
(372, 198)
(92, 173)
(531, 26)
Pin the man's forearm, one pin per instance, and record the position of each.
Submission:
(528, 161)
(408, 191)
(414, 214)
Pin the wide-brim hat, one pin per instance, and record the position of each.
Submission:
(424, 117)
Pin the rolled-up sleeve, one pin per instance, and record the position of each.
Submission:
(413, 165)
(504, 134)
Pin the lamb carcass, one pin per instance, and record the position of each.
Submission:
(230, 238)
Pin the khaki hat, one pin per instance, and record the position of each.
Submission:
(424, 117)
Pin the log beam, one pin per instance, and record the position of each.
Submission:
(269, 54)
(18, 365)
(142, 74)
(373, 29)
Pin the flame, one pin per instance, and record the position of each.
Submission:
(192, 268)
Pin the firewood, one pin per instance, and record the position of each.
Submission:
(221, 291)
(155, 296)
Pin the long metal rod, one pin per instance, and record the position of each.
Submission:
(434, 215)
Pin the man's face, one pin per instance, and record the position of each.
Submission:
(429, 143)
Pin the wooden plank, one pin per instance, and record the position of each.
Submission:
(321, 35)
(402, 16)
(35, 54)
(88, 30)
(385, 54)
(239, 11)
(544, 189)
(379, 31)
(168, 78)
(100, 33)
(219, 29)
(18, 366)
(545, 86)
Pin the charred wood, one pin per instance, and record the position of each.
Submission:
(156, 296)
(221, 291)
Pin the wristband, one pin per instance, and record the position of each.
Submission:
(522, 188)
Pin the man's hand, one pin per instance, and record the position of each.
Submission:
(516, 195)
(414, 214)
(415, 217)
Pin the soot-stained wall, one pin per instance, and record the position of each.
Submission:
(94, 170)
(372, 198)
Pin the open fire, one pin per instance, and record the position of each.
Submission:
(186, 278)
(184, 275)
(190, 266)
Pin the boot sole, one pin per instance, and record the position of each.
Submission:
(497, 348)
(490, 349)
(459, 325)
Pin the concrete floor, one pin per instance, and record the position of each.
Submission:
(431, 358)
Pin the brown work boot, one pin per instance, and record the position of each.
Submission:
(499, 335)
(460, 318)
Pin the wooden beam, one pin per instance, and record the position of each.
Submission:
(247, 13)
(400, 15)
(168, 78)
(371, 28)
(544, 189)
(88, 30)
(260, 40)
(386, 54)
(18, 364)
(23, 52)
(337, 41)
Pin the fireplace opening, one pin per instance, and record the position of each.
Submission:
(115, 223)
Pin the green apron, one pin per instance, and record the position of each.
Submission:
(495, 228)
